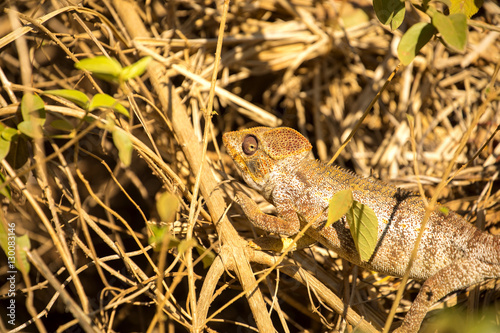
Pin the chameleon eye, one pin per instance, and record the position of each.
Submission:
(250, 145)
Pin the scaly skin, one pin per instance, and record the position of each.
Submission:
(279, 164)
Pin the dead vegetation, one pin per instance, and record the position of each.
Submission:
(311, 65)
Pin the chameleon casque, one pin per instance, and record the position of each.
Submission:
(278, 163)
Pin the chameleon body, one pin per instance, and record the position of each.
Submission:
(278, 163)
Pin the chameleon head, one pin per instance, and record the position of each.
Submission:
(259, 151)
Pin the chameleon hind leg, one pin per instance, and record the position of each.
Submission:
(458, 275)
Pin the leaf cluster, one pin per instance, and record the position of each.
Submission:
(362, 221)
(452, 28)
(34, 115)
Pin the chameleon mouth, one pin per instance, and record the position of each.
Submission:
(228, 141)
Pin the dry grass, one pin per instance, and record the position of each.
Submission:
(311, 65)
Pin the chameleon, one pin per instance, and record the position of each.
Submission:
(279, 164)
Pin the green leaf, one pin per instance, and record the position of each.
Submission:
(109, 125)
(136, 69)
(167, 206)
(90, 119)
(354, 18)
(4, 190)
(24, 245)
(363, 224)
(186, 244)
(106, 101)
(14, 247)
(338, 206)
(31, 128)
(6, 135)
(19, 153)
(9, 133)
(208, 258)
(160, 233)
(390, 12)
(467, 7)
(74, 96)
(32, 107)
(453, 29)
(4, 148)
(108, 69)
(124, 145)
(413, 40)
(63, 125)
